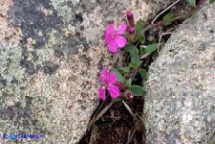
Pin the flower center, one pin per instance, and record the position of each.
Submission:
(105, 85)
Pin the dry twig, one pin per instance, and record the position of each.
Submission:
(164, 11)
(128, 108)
(98, 115)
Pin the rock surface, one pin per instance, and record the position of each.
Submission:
(180, 104)
(50, 54)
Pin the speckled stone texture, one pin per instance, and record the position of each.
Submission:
(180, 104)
(51, 52)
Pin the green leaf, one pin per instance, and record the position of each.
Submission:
(128, 82)
(142, 51)
(168, 18)
(125, 69)
(149, 49)
(118, 75)
(130, 65)
(211, 1)
(141, 38)
(138, 63)
(131, 49)
(139, 26)
(143, 74)
(192, 3)
(140, 31)
(137, 90)
(134, 58)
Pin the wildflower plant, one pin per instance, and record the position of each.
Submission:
(127, 81)
(120, 82)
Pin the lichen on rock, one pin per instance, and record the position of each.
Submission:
(11, 72)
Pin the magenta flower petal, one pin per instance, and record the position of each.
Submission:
(113, 91)
(102, 93)
(112, 78)
(112, 46)
(121, 41)
(104, 75)
(108, 38)
(122, 28)
(102, 78)
(110, 29)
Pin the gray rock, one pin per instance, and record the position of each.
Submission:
(51, 52)
(180, 104)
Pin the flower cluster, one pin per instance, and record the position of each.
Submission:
(115, 39)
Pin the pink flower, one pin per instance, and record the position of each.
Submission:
(108, 82)
(113, 38)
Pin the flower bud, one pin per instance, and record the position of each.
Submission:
(128, 94)
(131, 30)
(130, 18)
(131, 36)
